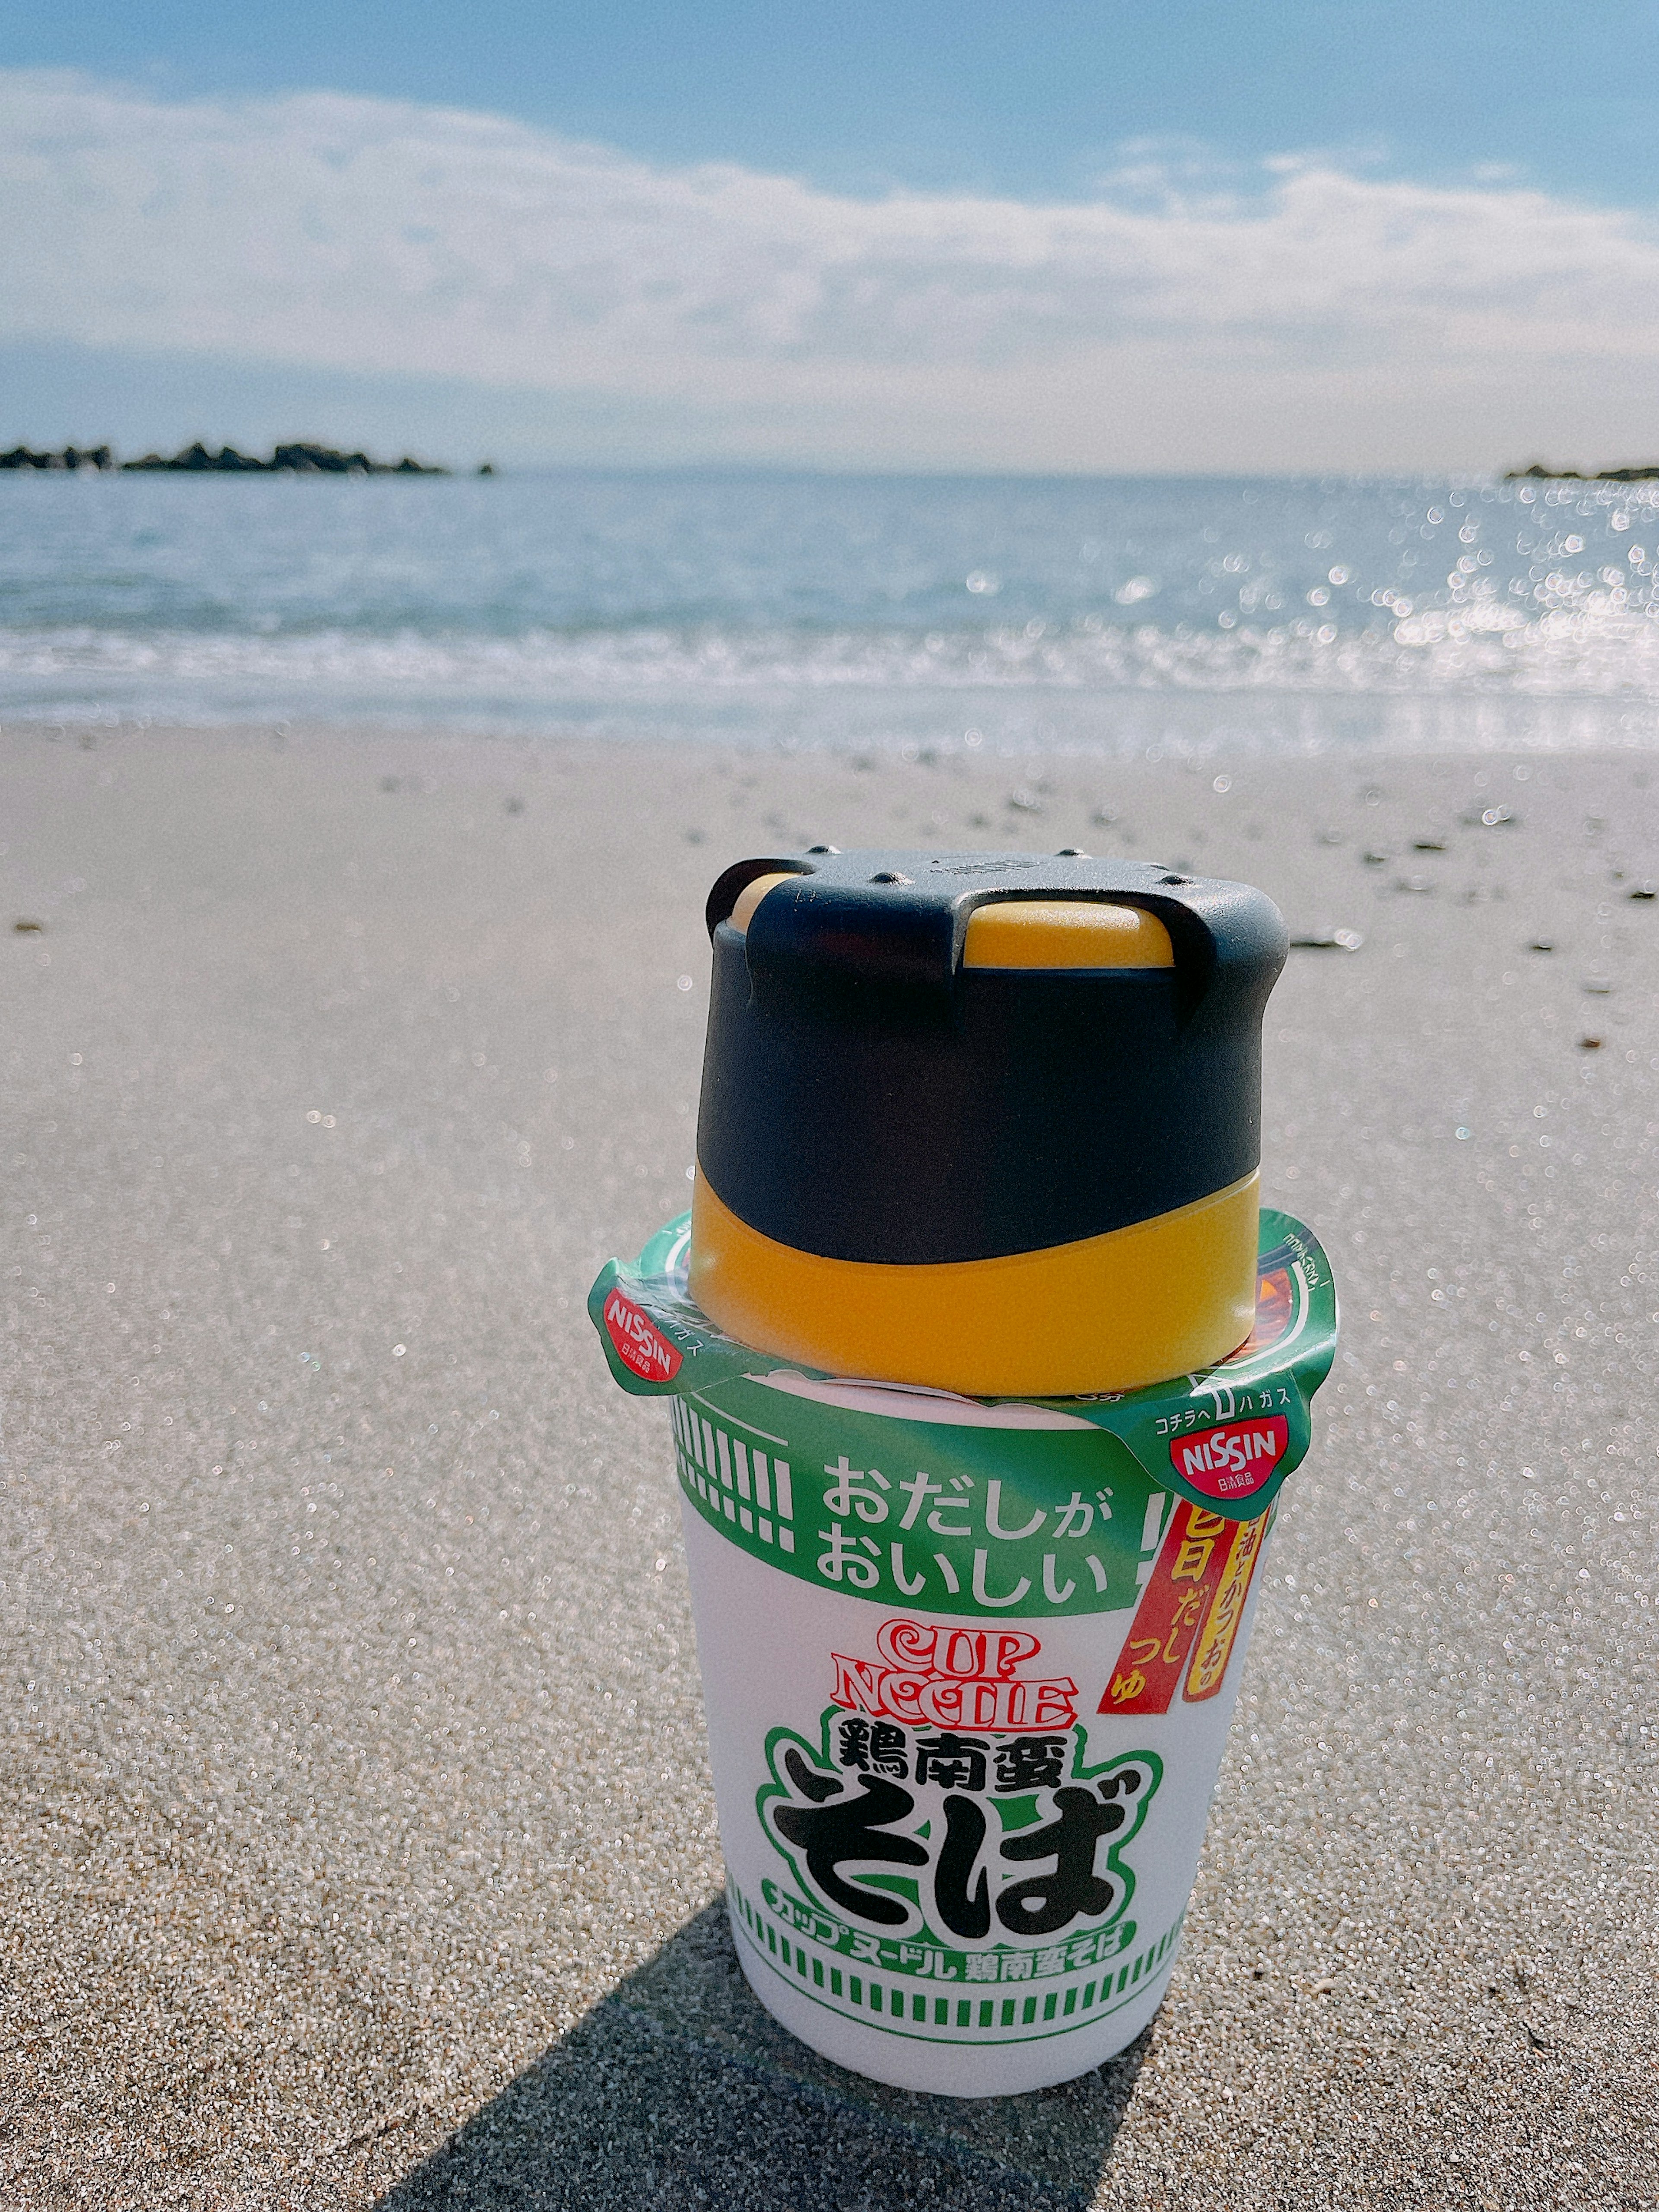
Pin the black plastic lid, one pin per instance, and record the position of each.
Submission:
(867, 1096)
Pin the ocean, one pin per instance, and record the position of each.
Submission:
(1128, 616)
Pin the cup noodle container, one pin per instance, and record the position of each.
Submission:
(982, 1132)
(968, 1667)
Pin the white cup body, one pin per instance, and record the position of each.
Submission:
(798, 1677)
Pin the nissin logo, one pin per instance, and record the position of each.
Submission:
(639, 1345)
(1234, 1459)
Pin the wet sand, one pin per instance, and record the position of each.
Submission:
(359, 1846)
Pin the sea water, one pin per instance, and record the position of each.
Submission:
(1122, 615)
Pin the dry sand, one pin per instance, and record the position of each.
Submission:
(358, 1841)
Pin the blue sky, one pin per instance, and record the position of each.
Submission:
(1178, 235)
(1028, 98)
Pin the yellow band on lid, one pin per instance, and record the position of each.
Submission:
(1160, 1298)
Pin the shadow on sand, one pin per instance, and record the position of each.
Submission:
(678, 2091)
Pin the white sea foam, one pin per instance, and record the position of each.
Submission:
(825, 609)
(1606, 645)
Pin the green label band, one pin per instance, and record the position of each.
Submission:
(955, 1517)
(967, 1521)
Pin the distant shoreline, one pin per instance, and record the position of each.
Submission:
(304, 458)
(298, 459)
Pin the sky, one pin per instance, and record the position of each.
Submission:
(1184, 236)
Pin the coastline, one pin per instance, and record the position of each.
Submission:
(984, 731)
(362, 1842)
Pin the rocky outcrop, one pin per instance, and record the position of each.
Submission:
(195, 460)
(1646, 474)
(285, 460)
(72, 457)
(198, 460)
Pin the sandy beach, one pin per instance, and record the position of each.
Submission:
(359, 1846)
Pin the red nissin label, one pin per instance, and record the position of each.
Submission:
(640, 1344)
(1234, 1459)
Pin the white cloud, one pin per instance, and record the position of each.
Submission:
(1318, 318)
